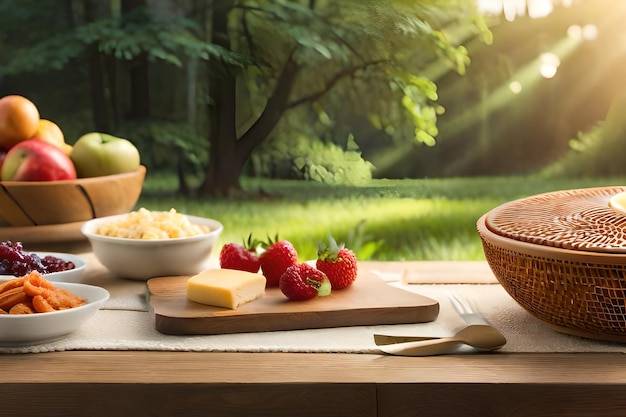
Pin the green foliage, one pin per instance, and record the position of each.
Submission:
(358, 57)
(364, 245)
(353, 57)
(311, 160)
(418, 93)
(163, 37)
(330, 164)
(594, 154)
(159, 139)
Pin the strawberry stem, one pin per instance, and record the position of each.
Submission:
(328, 252)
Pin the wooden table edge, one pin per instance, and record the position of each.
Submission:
(141, 383)
(167, 367)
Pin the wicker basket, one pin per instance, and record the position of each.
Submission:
(562, 257)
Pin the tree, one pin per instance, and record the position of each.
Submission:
(267, 57)
(110, 48)
(302, 52)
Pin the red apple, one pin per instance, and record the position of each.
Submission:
(35, 160)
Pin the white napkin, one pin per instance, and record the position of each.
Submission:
(433, 272)
(135, 330)
(125, 323)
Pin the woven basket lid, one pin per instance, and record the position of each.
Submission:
(580, 219)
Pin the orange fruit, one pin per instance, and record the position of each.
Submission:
(19, 119)
(67, 148)
(50, 132)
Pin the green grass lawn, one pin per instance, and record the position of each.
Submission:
(430, 219)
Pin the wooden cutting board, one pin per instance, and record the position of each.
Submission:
(369, 301)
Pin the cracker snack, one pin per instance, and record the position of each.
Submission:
(33, 293)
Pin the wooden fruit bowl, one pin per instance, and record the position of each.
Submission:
(25, 205)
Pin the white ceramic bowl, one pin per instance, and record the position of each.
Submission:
(144, 259)
(71, 275)
(31, 329)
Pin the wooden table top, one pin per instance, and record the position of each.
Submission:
(138, 383)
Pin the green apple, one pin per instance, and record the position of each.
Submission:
(96, 154)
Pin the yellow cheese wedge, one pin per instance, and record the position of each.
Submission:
(225, 287)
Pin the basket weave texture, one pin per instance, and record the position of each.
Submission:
(579, 219)
(562, 257)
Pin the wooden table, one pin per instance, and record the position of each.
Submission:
(138, 383)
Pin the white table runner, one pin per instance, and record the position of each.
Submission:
(124, 323)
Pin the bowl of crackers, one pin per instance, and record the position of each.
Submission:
(34, 310)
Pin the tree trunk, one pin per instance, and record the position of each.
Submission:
(138, 73)
(97, 74)
(228, 154)
(225, 166)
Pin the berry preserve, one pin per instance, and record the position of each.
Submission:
(14, 261)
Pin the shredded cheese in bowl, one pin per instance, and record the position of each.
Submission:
(146, 224)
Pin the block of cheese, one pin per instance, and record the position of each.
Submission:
(225, 287)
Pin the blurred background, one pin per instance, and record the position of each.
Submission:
(219, 93)
(148, 70)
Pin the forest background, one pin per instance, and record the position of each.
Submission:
(392, 125)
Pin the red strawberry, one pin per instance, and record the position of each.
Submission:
(303, 282)
(278, 256)
(338, 263)
(242, 257)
